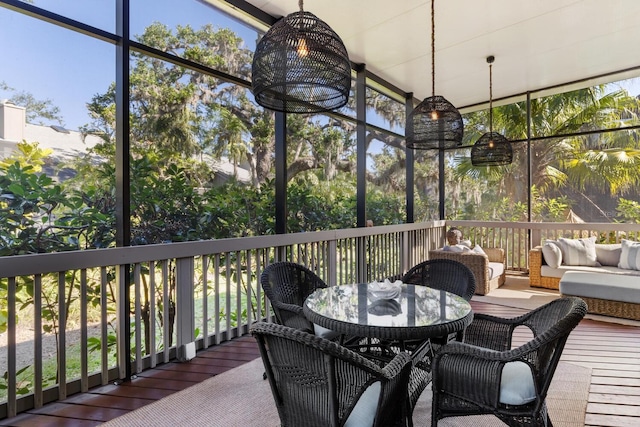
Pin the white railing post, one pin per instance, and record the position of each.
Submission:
(123, 322)
(185, 308)
(332, 263)
(405, 251)
(536, 238)
(361, 257)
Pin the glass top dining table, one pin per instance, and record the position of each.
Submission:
(414, 312)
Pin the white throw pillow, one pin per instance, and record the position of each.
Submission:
(466, 243)
(552, 254)
(609, 254)
(516, 384)
(579, 251)
(477, 249)
(630, 255)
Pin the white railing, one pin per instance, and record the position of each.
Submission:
(118, 311)
(518, 237)
(128, 309)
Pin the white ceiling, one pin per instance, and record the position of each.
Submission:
(537, 43)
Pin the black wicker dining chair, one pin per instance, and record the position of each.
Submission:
(319, 383)
(287, 285)
(485, 375)
(443, 274)
(446, 275)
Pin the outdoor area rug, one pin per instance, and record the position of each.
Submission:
(240, 397)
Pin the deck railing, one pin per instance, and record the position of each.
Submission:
(516, 238)
(75, 320)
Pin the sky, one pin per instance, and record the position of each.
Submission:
(68, 68)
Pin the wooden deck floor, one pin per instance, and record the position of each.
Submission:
(611, 350)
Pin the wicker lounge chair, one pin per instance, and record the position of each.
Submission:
(316, 382)
(482, 265)
(484, 375)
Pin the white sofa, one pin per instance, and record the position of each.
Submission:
(606, 276)
(543, 273)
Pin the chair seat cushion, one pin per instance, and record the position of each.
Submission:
(516, 385)
(325, 333)
(495, 269)
(459, 248)
(364, 412)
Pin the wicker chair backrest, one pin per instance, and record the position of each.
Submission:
(317, 382)
(289, 283)
(444, 274)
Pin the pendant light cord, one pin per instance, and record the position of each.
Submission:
(433, 49)
(490, 98)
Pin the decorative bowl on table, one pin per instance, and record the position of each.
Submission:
(384, 290)
(385, 307)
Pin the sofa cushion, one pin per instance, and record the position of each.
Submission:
(630, 255)
(608, 254)
(547, 271)
(552, 254)
(578, 251)
(601, 286)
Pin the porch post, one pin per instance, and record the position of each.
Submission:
(123, 194)
(530, 243)
(281, 172)
(409, 177)
(361, 170)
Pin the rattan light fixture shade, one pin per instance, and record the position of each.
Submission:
(435, 122)
(301, 66)
(492, 149)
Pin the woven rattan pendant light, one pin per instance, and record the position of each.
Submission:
(435, 122)
(301, 66)
(492, 149)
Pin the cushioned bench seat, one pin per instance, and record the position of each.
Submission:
(608, 294)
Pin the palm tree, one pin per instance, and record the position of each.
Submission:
(591, 166)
